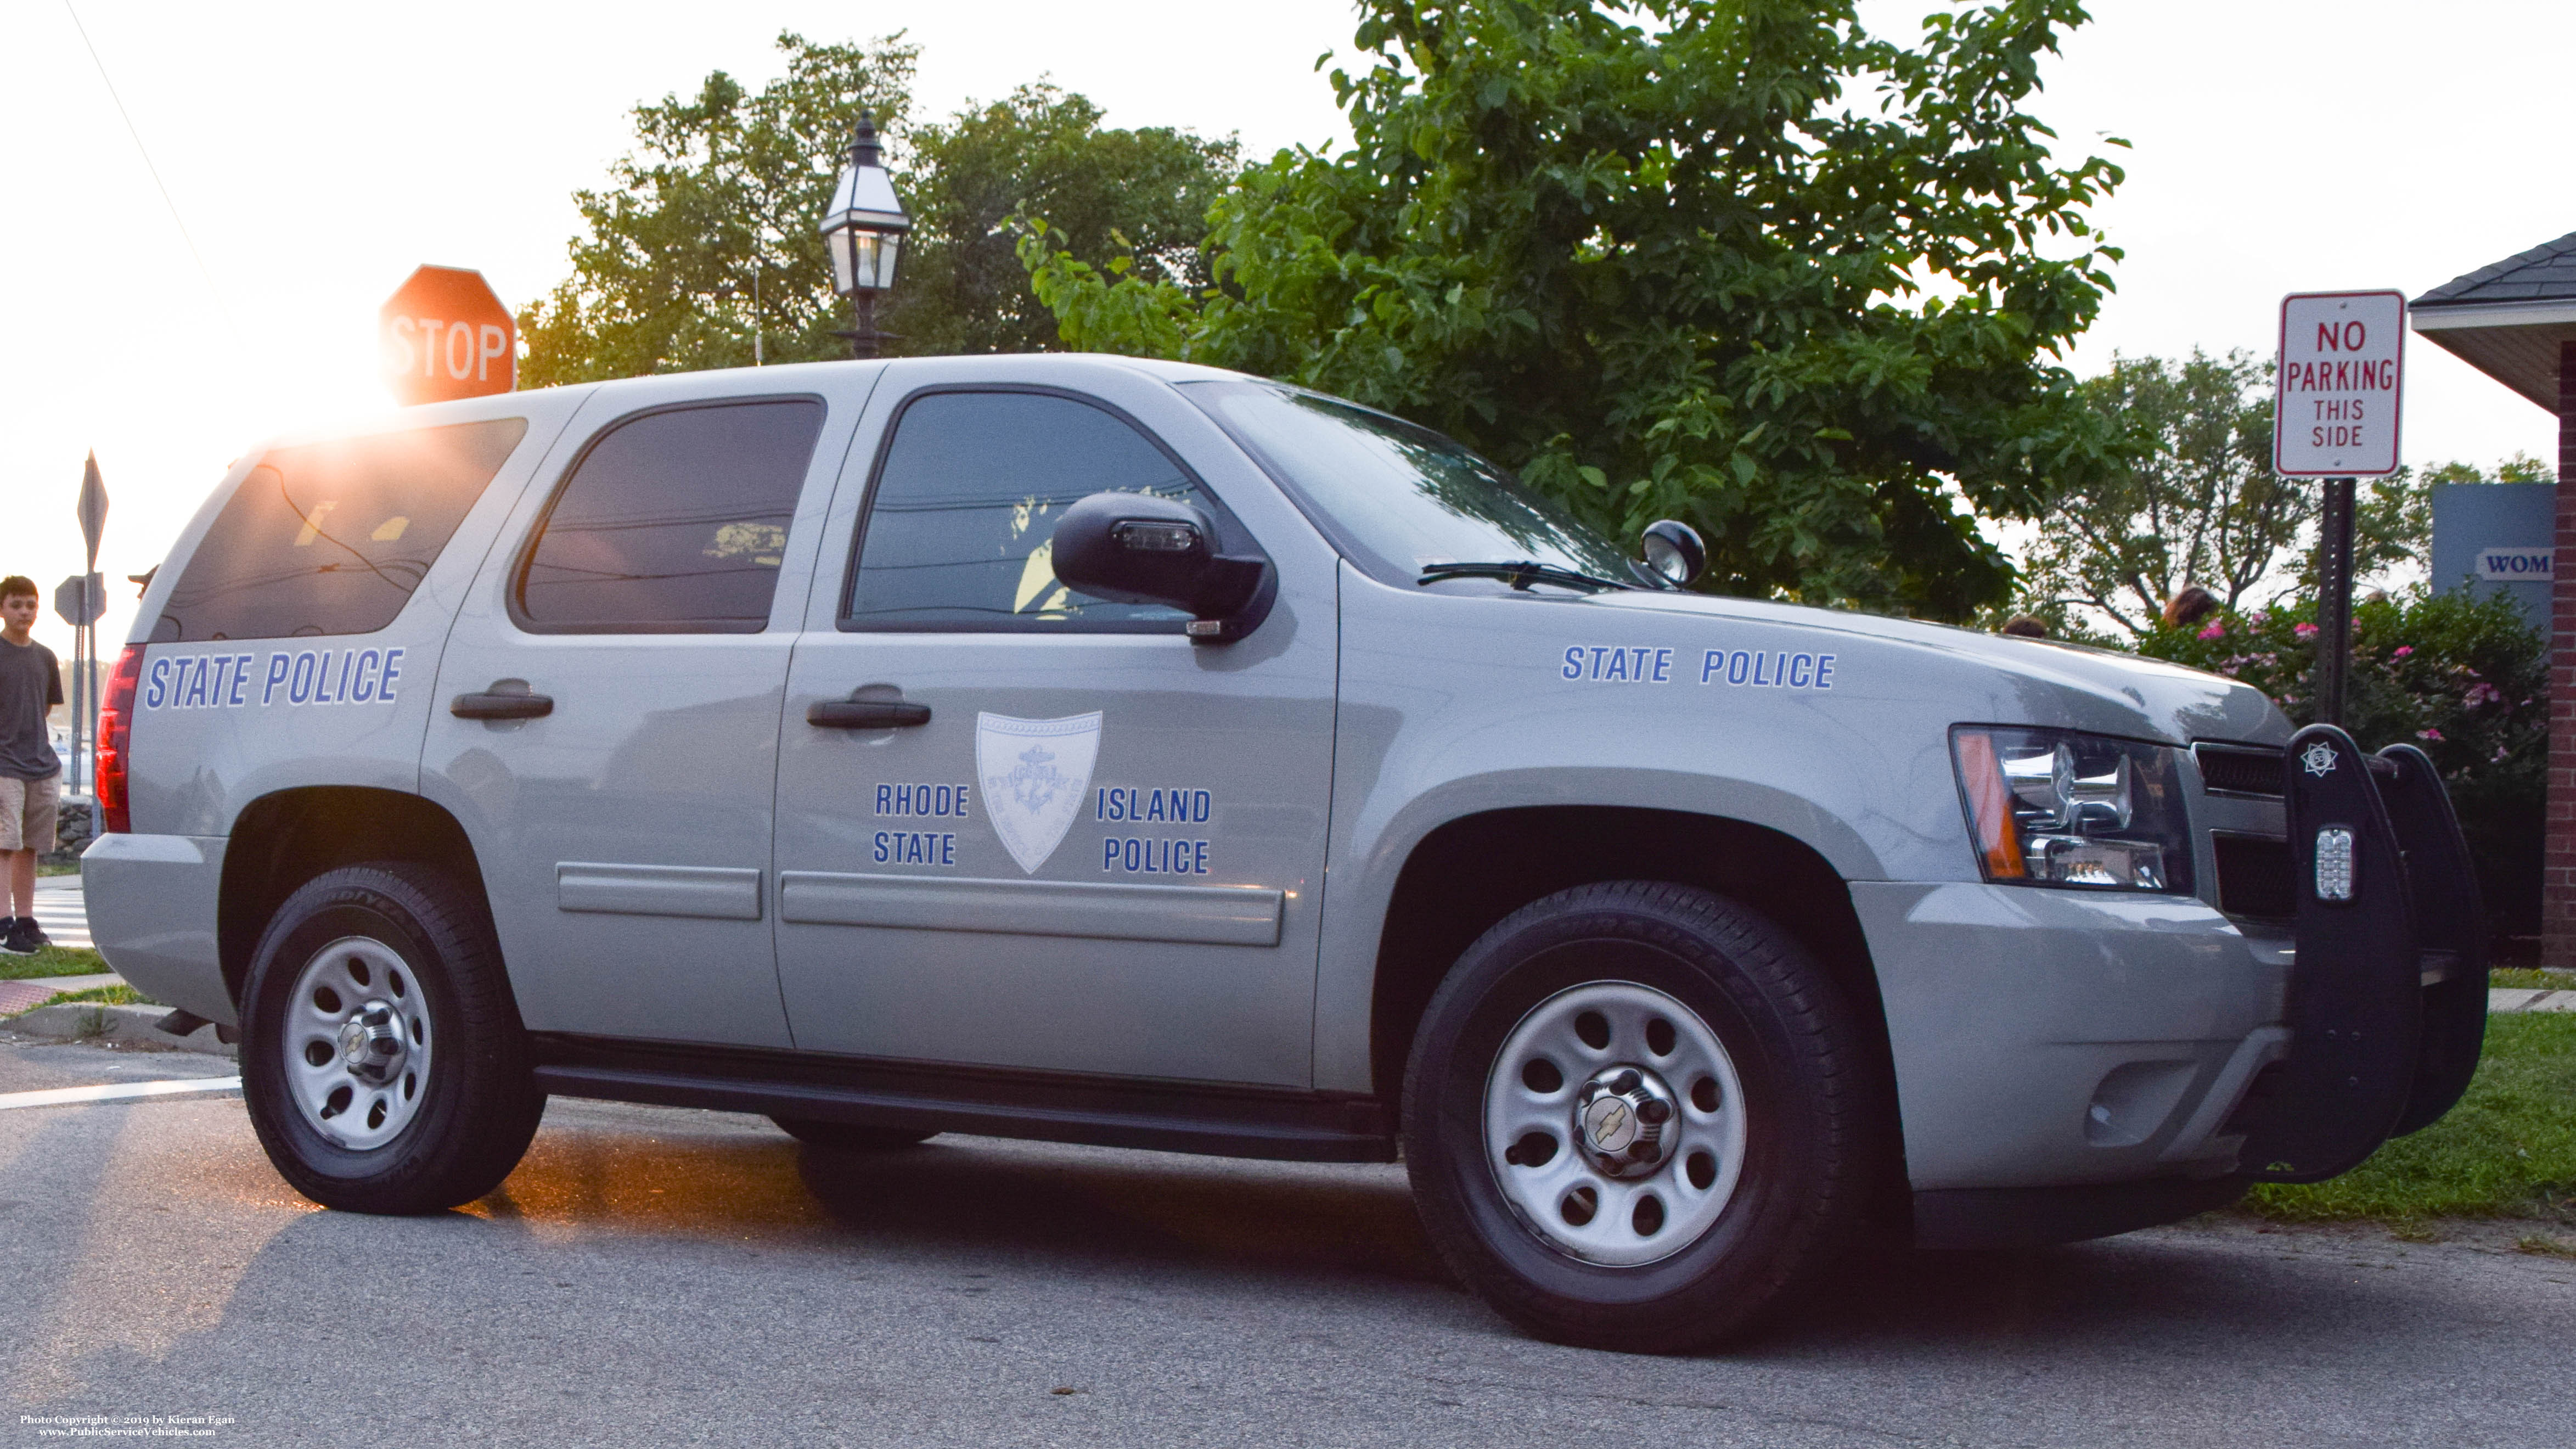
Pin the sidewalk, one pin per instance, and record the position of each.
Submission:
(2526, 999)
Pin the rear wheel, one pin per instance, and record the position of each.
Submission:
(382, 1057)
(849, 1136)
(1632, 1116)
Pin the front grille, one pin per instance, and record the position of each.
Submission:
(2254, 876)
(2239, 769)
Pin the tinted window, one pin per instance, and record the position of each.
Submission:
(1401, 498)
(673, 523)
(331, 538)
(960, 531)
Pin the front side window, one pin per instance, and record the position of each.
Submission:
(674, 522)
(960, 528)
(332, 538)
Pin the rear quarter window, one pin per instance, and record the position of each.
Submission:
(331, 538)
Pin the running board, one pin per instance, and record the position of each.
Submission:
(1163, 1116)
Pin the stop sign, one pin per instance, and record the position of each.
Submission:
(446, 336)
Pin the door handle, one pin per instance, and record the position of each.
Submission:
(501, 706)
(866, 714)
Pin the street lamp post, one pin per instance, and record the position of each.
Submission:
(863, 229)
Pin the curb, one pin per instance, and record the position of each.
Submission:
(91, 1021)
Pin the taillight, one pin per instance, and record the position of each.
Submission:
(115, 733)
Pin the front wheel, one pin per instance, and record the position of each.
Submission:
(383, 1060)
(1632, 1116)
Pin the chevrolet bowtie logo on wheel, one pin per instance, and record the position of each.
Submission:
(1612, 1125)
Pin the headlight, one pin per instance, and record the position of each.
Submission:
(2054, 807)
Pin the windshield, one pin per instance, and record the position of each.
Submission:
(1399, 498)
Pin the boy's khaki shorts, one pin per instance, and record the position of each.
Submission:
(27, 811)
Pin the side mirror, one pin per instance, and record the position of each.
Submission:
(1673, 550)
(1135, 548)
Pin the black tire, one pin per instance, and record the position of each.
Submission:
(472, 1105)
(1804, 1134)
(849, 1136)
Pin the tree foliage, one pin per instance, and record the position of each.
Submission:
(1138, 196)
(705, 236)
(2195, 502)
(718, 202)
(1743, 264)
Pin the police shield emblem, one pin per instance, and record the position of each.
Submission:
(1035, 772)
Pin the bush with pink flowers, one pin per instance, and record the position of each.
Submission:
(2463, 677)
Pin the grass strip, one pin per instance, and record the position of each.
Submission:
(117, 995)
(2507, 1150)
(53, 961)
(2530, 978)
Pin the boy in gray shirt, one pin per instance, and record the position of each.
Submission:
(31, 786)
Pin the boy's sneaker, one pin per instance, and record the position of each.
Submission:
(20, 938)
(35, 930)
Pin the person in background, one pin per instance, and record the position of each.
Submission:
(2189, 607)
(2024, 626)
(31, 786)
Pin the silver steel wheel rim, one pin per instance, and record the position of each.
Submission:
(1701, 1156)
(356, 1043)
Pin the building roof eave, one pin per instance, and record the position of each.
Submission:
(2521, 352)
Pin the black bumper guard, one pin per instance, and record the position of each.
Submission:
(2388, 989)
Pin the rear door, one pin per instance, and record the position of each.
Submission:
(1101, 851)
(648, 598)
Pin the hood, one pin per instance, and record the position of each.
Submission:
(2032, 681)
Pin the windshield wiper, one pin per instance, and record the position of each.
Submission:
(1520, 574)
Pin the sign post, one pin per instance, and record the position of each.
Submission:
(80, 601)
(2334, 416)
(446, 336)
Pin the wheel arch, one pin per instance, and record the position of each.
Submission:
(281, 840)
(1473, 870)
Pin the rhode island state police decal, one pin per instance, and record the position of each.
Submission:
(1035, 774)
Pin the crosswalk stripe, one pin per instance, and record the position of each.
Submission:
(66, 923)
(115, 1091)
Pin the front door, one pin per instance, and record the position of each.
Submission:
(623, 818)
(1101, 850)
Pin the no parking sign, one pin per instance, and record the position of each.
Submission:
(2334, 411)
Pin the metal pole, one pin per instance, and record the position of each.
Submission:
(2334, 600)
(80, 699)
(863, 339)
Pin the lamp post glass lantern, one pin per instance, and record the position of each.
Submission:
(864, 229)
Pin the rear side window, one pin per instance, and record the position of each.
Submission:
(331, 538)
(674, 522)
(960, 530)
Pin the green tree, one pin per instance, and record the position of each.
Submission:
(2196, 502)
(1139, 195)
(1738, 262)
(705, 236)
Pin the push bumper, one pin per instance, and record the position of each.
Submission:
(2388, 990)
(2072, 1065)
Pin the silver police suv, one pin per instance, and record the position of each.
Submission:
(1124, 752)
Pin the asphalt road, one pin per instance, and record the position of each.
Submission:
(655, 1277)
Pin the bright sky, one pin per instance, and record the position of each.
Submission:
(317, 152)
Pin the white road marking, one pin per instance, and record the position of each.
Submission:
(114, 1091)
